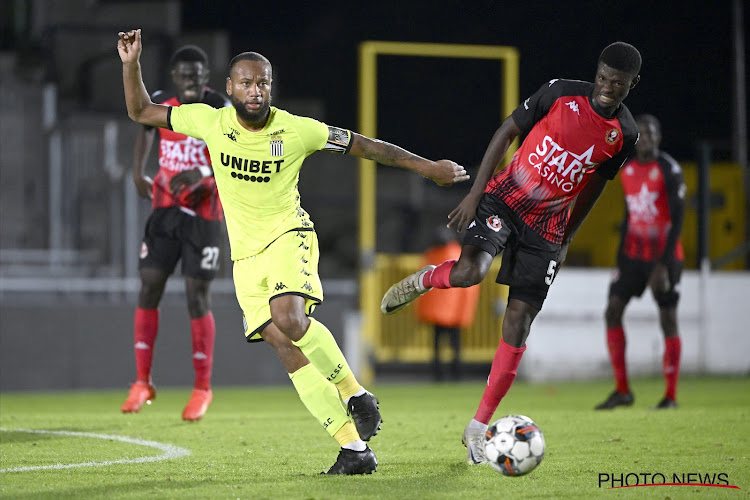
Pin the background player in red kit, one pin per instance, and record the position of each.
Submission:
(578, 135)
(650, 254)
(185, 224)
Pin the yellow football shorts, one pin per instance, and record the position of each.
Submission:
(289, 265)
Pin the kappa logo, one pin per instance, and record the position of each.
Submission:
(613, 135)
(495, 223)
(279, 286)
(303, 246)
(574, 106)
(304, 271)
(307, 287)
(231, 136)
(473, 224)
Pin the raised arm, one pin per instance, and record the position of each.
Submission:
(442, 172)
(140, 107)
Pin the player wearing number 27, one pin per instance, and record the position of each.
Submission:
(186, 226)
(257, 153)
(578, 135)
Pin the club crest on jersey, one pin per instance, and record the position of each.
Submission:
(495, 223)
(654, 173)
(277, 147)
(613, 135)
(144, 250)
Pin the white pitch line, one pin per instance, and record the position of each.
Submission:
(169, 450)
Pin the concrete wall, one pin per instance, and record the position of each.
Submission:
(73, 341)
(88, 343)
(568, 337)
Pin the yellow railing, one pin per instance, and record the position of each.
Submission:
(401, 338)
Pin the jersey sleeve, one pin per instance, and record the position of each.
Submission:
(317, 136)
(535, 107)
(191, 119)
(675, 187)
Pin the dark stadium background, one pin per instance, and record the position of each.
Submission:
(686, 47)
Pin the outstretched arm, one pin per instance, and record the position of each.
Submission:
(140, 107)
(443, 172)
(464, 213)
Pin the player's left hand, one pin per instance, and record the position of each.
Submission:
(447, 173)
(184, 180)
(659, 278)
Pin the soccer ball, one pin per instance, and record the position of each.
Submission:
(514, 445)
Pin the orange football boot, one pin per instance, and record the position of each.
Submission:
(198, 404)
(140, 392)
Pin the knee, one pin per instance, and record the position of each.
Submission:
(464, 276)
(293, 325)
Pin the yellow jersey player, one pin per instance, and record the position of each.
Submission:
(257, 152)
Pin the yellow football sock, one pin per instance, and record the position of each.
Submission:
(348, 387)
(321, 398)
(347, 434)
(322, 350)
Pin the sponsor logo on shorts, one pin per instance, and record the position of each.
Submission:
(144, 250)
(495, 223)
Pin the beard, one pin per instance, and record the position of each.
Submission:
(251, 116)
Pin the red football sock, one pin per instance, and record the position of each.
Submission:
(502, 374)
(671, 365)
(203, 331)
(440, 276)
(616, 346)
(146, 326)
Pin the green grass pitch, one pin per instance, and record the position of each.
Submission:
(261, 443)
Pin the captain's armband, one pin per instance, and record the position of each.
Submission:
(339, 140)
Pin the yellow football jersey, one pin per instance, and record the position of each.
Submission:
(257, 172)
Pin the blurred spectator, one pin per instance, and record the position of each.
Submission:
(447, 310)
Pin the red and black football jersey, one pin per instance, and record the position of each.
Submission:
(566, 141)
(177, 153)
(654, 211)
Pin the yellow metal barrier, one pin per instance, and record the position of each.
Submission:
(401, 338)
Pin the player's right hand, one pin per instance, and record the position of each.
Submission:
(464, 213)
(129, 46)
(143, 184)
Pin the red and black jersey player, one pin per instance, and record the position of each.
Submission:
(186, 224)
(578, 135)
(651, 255)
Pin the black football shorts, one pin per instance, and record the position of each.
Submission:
(529, 261)
(172, 234)
(631, 278)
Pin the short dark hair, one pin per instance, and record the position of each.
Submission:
(622, 56)
(188, 53)
(650, 120)
(247, 56)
